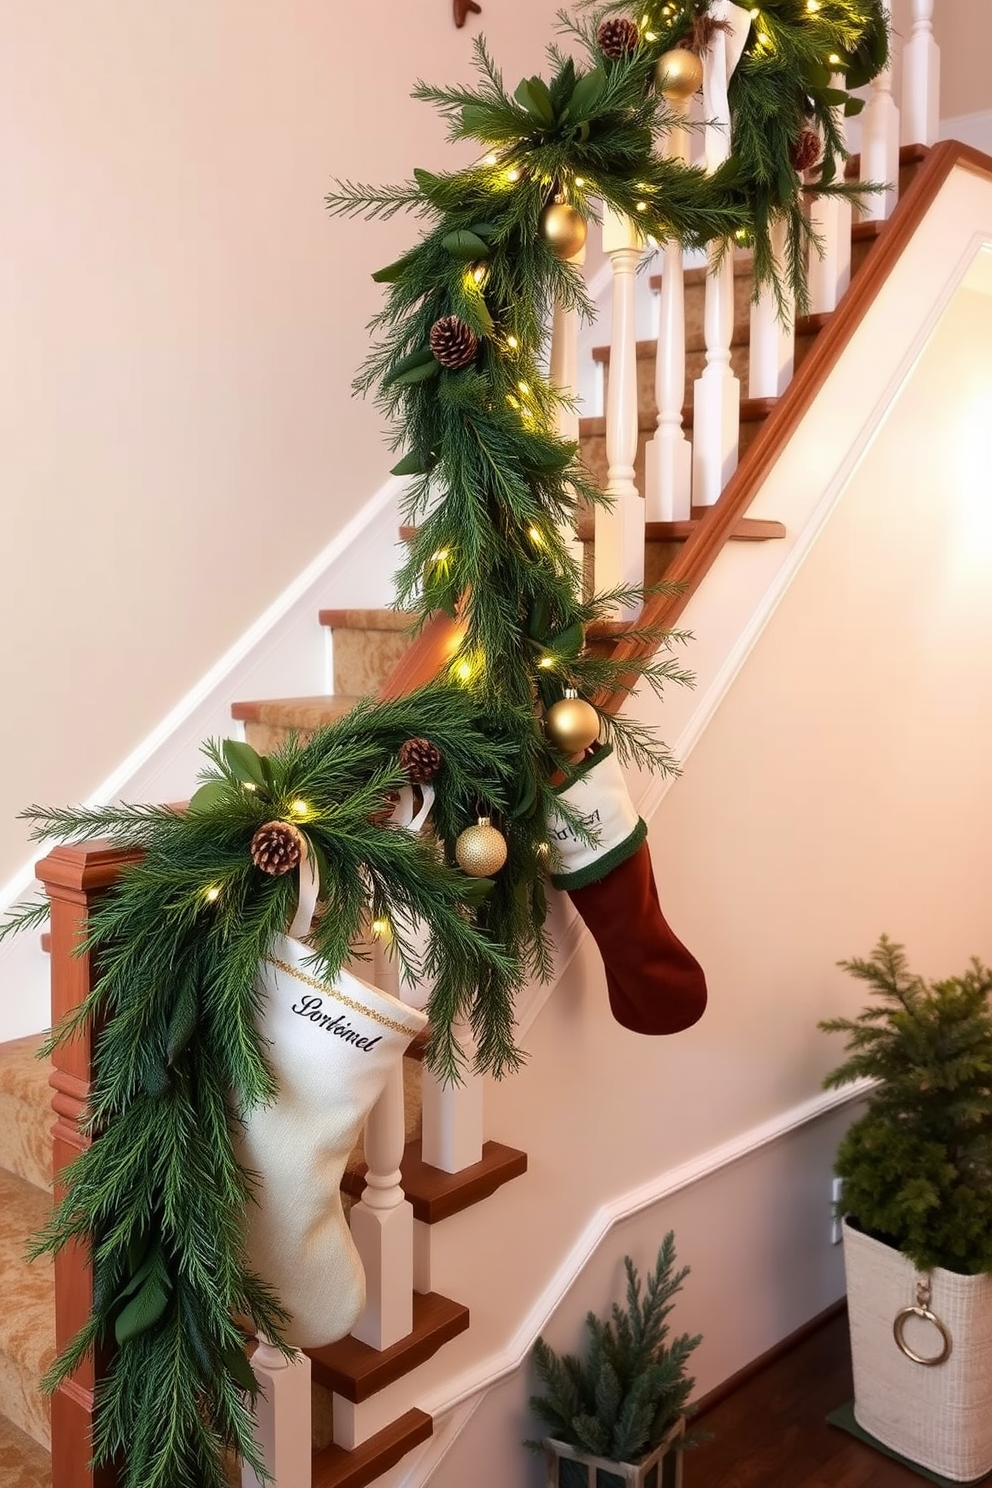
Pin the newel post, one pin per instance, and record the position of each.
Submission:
(74, 877)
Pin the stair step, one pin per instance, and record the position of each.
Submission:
(270, 721)
(911, 157)
(27, 1330)
(24, 1463)
(333, 1467)
(366, 646)
(357, 1371)
(25, 1112)
(748, 529)
(436, 1195)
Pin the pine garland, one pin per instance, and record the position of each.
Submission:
(159, 1195)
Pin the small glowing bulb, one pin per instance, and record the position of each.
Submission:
(546, 662)
(213, 893)
(764, 38)
(249, 785)
(441, 556)
(580, 180)
(381, 930)
(513, 175)
(463, 670)
(833, 59)
(644, 19)
(478, 274)
(513, 402)
(543, 849)
(812, 6)
(490, 159)
(741, 234)
(642, 206)
(523, 387)
(755, 14)
(650, 36)
(536, 535)
(300, 808)
(512, 342)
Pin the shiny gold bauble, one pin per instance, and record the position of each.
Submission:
(678, 73)
(563, 229)
(481, 850)
(572, 724)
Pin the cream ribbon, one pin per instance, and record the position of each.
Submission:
(309, 889)
(404, 813)
(722, 56)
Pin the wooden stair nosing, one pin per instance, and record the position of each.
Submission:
(699, 553)
(334, 1467)
(748, 529)
(268, 710)
(376, 619)
(435, 1195)
(357, 1371)
(753, 410)
(908, 155)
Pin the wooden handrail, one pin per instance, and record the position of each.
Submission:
(75, 878)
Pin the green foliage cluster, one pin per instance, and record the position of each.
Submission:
(632, 1388)
(159, 1195)
(917, 1166)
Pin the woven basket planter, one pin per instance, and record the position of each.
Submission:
(662, 1468)
(935, 1409)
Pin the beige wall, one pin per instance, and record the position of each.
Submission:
(179, 324)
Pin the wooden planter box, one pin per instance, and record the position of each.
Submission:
(935, 1409)
(662, 1468)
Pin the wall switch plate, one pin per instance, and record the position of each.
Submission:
(836, 1198)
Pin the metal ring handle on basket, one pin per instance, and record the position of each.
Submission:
(921, 1309)
(309, 890)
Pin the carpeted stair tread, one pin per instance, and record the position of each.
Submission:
(23, 1464)
(27, 1330)
(25, 1111)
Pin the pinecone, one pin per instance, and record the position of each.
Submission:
(277, 847)
(420, 759)
(617, 37)
(806, 150)
(453, 343)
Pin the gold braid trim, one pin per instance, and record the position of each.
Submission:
(310, 981)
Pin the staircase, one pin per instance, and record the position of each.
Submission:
(369, 647)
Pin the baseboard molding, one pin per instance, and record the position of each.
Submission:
(453, 1403)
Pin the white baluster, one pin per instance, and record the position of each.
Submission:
(382, 1220)
(620, 531)
(921, 79)
(564, 375)
(831, 218)
(880, 144)
(773, 335)
(282, 1411)
(716, 395)
(452, 1115)
(668, 458)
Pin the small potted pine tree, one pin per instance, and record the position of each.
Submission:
(917, 1176)
(617, 1419)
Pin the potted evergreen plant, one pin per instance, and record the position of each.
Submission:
(618, 1418)
(917, 1175)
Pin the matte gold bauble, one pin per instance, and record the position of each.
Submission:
(572, 724)
(678, 73)
(563, 229)
(481, 850)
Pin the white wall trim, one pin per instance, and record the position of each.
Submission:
(454, 1402)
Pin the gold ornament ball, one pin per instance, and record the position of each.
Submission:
(678, 73)
(481, 850)
(572, 724)
(563, 229)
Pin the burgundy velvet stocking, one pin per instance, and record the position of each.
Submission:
(655, 985)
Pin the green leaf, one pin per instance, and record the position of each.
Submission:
(432, 187)
(568, 643)
(244, 762)
(209, 796)
(475, 890)
(817, 75)
(464, 245)
(477, 119)
(143, 1311)
(394, 271)
(526, 796)
(485, 230)
(414, 463)
(532, 94)
(538, 620)
(240, 1370)
(138, 1278)
(835, 97)
(419, 358)
(481, 312)
(420, 373)
(586, 95)
(183, 1021)
(853, 106)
